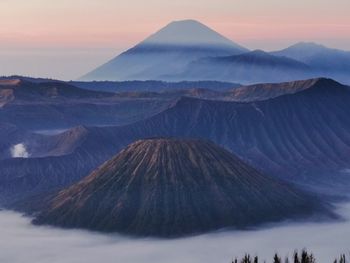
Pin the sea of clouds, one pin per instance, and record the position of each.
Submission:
(22, 242)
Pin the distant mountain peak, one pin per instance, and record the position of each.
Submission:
(186, 22)
(307, 47)
(259, 52)
(166, 52)
(308, 52)
(308, 44)
(188, 32)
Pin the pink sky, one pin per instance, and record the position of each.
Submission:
(114, 25)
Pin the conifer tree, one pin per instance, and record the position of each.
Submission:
(296, 257)
(277, 259)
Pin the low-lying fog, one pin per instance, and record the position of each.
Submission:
(21, 242)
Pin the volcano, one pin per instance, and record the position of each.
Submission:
(166, 52)
(172, 187)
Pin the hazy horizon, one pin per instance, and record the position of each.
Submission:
(58, 39)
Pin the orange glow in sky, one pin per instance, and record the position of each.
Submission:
(119, 24)
(115, 23)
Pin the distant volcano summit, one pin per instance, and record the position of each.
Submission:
(167, 51)
(189, 32)
(173, 187)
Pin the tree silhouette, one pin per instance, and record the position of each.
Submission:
(277, 259)
(303, 257)
(296, 257)
(246, 259)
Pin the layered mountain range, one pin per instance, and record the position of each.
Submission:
(295, 131)
(251, 67)
(329, 61)
(171, 187)
(60, 105)
(69, 104)
(189, 50)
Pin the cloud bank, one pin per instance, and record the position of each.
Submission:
(22, 242)
(19, 151)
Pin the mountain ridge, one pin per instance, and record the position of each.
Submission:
(27, 90)
(325, 61)
(266, 91)
(251, 67)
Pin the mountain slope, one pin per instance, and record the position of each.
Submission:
(251, 67)
(165, 52)
(172, 187)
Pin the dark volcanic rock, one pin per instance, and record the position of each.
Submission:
(172, 187)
